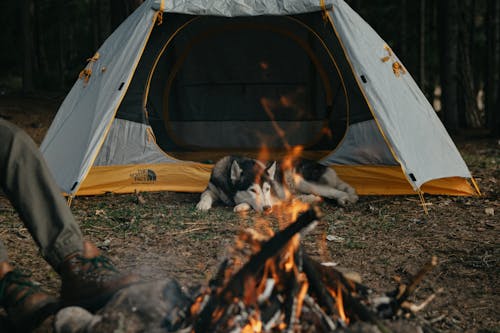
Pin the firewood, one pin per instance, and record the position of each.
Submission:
(235, 287)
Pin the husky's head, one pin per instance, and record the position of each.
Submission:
(253, 184)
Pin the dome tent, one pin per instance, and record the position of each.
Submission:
(180, 84)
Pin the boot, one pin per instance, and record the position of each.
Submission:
(89, 279)
(24, 301)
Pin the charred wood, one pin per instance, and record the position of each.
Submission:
(235, 287)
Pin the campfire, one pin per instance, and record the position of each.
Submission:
(268, 284)
(281, 289)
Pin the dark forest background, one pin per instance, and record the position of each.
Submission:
(451, 48)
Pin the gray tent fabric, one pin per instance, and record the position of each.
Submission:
(78, 130)
(388, 119)
(362, 145)
(233, 8)
(410, 124)
(129, 142)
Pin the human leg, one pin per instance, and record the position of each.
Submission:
(87, 277)
(28, 184)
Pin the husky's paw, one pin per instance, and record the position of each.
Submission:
(353, 198)
(343, 199)
(309, 198)
(204, 205)
(242, 207)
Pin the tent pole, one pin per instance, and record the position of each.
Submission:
(423, 203)
(69, 200)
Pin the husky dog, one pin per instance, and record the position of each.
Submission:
(240, 182)
(309, 181)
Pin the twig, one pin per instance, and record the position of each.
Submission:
(416, 281)
(416, 308)
(183, 232)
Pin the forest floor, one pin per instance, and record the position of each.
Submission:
(380, 237)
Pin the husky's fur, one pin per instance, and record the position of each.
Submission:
(240, 182)
(309, 181)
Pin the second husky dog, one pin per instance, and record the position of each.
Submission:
(240, 182)
(309, 180)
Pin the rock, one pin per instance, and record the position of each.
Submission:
(74, 319)
(151, 307)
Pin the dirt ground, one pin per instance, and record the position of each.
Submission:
(380, 237)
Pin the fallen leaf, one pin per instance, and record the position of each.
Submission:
(100, 212)
(333, 238)
(490, 211)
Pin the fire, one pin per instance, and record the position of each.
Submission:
(337, 296)
(196, 306)
(340, 305)
(302, 294)
(254, 325)
(289, 264)
(292, 156)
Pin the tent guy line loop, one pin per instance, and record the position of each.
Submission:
(86, 73)
(397, 67)
(159, 14)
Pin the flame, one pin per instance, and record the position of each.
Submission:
(340, 305)
(289, 263)
(250, 291)
(291, 157)
(196, 306)
(268, 104)
(337, 295)
(302, 294)
(254, 325)
(264, 154)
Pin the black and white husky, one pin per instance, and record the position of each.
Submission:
(309, 181)
(240, 182)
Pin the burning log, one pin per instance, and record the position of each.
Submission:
(236, 286)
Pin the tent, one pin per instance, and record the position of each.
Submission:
(182, 83)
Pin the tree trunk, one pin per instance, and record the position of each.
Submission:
(495, 121)
(27, 22)
(403, 34)
(61, 47)
(422, 39)
(492, 66)
(448, 39)
(95, 22)
(470, 116)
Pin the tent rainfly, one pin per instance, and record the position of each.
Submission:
(180, 84)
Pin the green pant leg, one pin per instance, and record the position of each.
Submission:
(30, 187)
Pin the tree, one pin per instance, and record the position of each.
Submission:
(27, 24)
(469, 113)
(448, 52)
(492, 63)
(403, 34)
(422, 40)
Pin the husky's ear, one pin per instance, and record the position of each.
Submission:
(235, 171)
(271, 170)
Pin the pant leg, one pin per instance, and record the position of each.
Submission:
(28, 183)
(3, 253)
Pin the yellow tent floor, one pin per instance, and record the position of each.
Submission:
(193, 177)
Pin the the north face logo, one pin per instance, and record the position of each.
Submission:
(143, 176)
